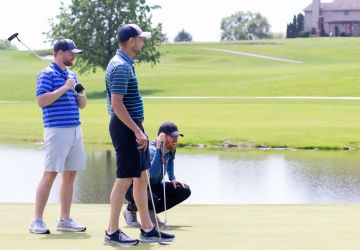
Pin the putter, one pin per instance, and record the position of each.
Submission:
(16, 35)
(163, 181)
(77, 87)
(153, 205)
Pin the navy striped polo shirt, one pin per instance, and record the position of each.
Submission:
(64, 112)
(120, 78)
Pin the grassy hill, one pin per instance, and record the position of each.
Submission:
(329, 68)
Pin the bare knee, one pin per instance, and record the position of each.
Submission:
(49, 177)
(142, 180)
(68, 176)
(123, 182)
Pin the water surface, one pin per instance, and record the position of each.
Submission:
(246, 177)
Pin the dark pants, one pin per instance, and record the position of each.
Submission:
(173, 196)
(130, 161)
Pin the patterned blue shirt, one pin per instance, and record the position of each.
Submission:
(64, 112)
(120, 78)
(156, 171)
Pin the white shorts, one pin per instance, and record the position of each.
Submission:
(64, 149)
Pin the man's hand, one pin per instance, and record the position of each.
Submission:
(183, 184)
(70, 83)
(160, 140)
(141, 140)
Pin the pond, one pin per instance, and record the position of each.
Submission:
(220, 177)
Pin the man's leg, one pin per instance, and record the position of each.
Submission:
(141, 200)
(42, 193)
(130, 198)
(174, 196)
(66, 223)
(117, 198)
(66, 192)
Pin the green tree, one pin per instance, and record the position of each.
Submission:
(92, 26)
(296, 27)
(245, 26)
(183, 36)
(6, 45)
(300, 23)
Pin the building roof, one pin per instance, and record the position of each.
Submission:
(337, 5)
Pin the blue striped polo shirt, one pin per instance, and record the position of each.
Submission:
(120, 78)
(64, 112)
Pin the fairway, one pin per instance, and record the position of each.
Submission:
(245, 227)
(247, 123)
(329, 69)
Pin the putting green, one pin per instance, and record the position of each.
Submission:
(244, 227)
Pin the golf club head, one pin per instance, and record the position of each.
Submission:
(13, 36)
(166, 227)
(163, 243)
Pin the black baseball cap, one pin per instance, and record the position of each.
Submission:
(126, 31)
(169, 128)
(66, 45)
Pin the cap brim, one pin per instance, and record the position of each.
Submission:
(76, 51)
(145, 34)
(176, 134)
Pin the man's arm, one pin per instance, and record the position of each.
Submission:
(170, 169)
(50, 97)
(156, 167)
(122, 113)
(82, 101)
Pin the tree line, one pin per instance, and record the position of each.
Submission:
(93, 24)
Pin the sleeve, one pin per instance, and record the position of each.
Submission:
(44, 84)
(155, 167)
(170, 169)
(119, 80)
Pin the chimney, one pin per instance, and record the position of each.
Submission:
(316, 13)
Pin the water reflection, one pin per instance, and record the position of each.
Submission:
(300, 177)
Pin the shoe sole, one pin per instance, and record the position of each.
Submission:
(63, 229)
(155, 240)
(39, 232)
(116, 243)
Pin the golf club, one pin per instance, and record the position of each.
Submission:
(152, 198)
(153, 204)
(78, 88)
(16, 35)
(163, 181)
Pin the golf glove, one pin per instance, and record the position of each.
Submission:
(78, 88)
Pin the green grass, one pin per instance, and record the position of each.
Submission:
(246, 227)
(330, 68)
(250, 123)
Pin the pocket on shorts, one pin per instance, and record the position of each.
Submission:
(78, 133)
(49, 135)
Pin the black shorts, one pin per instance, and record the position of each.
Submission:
(130, 161)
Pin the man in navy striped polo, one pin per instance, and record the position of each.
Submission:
(60, 96)
(126, 109)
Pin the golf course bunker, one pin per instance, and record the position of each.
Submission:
(255, 55)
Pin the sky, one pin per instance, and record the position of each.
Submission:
(201, 18)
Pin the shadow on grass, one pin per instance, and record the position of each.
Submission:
(102, 94)
(66, 236)
(176, 228)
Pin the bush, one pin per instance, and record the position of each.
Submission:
(6, 45)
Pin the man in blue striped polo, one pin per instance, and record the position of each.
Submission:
(126, 109)
(60, 96)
